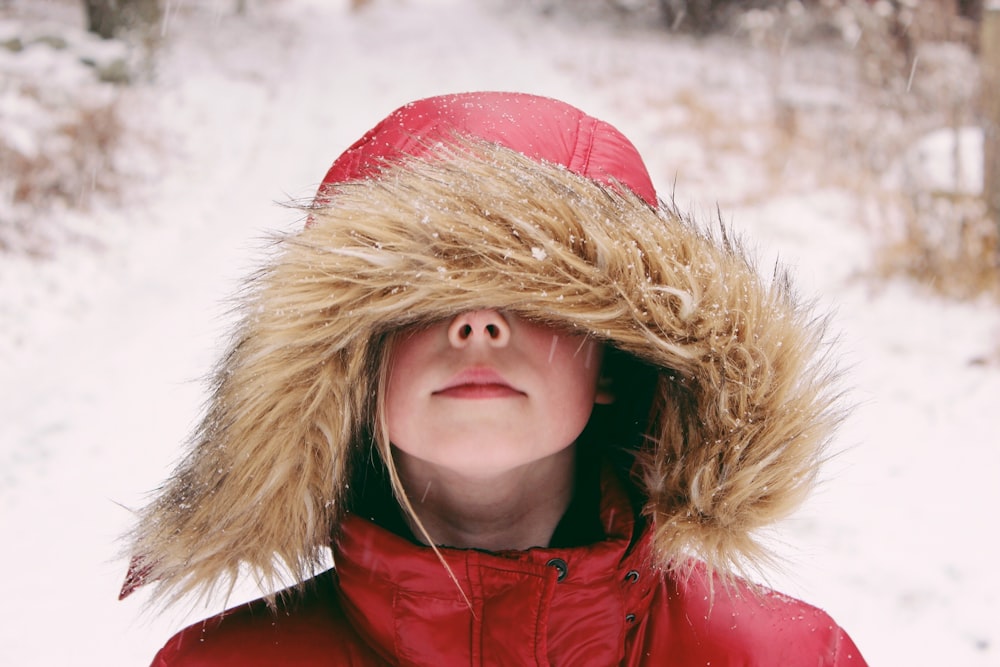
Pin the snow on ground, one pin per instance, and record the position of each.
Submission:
(102, 349)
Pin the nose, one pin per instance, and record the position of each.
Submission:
(486, 327)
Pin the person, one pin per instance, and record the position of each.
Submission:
(536, 416)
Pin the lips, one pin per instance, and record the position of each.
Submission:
(478, 383)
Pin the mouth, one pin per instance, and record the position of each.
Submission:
(478, 383)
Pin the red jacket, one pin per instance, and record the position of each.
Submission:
(391, 602)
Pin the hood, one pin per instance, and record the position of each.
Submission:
(473, 218)
(537, 127)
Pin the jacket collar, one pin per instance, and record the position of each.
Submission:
(523, 606)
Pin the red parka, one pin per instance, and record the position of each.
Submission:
(524, 204)
(390, 602)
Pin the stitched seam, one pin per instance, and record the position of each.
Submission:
(541, 630)
(591, 132)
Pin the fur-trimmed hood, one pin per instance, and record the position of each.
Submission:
(742, 404)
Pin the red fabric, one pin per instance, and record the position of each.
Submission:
(392, 602)
(539, 127)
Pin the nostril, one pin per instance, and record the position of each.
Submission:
(479, 326)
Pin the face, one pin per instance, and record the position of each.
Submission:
(486, 392)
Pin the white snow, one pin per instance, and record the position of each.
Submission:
(104, 345)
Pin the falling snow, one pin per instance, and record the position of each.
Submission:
(103, 345)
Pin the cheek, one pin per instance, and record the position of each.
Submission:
(405, 363)
(406, 417)
(395, 405)
(576, 363)
(574, 375)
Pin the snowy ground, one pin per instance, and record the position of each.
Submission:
(102, 348)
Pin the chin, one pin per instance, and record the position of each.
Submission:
(470, 459)
(488, 460)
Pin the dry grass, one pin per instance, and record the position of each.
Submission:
(69, 114)
(72, 165)
(941, 238)
(946, 243)
(913, 72)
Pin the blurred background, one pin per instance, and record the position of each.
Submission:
(148, 149)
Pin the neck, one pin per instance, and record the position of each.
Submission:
(513, 510)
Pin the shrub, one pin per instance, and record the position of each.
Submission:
(60, 130)
(946, 242)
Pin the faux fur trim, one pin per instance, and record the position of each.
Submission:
(744, 403)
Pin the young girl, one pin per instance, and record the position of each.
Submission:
(537, 417)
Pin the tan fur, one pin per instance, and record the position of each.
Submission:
(743, 409)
